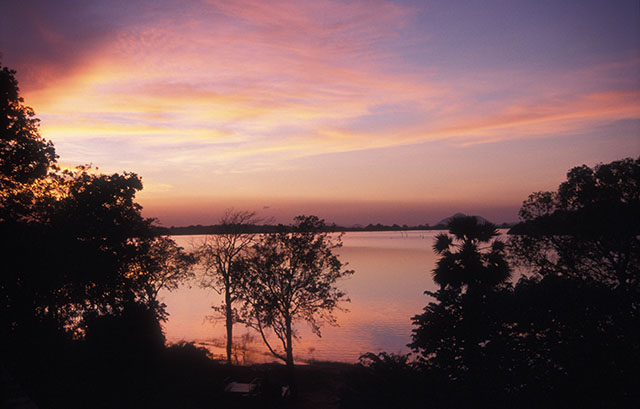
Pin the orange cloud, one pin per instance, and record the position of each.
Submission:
(224, 97)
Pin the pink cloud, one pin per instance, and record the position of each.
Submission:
(238, 89)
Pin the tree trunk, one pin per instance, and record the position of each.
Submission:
(229, 323)
(477, 380)
(289, 340)
(290, 367)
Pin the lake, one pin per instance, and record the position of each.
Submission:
(392, 271)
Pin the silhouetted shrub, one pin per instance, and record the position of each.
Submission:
(383, 381)
(132, 333)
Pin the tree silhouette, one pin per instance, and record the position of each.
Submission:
(25, 157)
(25, 161)
(568, 330)
(577, 313)
(589, 228)
(73, 242)
(467, 264)
(291, 276)
(221, 256)
(79, 252)
(456, 332)
(24, 154)
(163, 266)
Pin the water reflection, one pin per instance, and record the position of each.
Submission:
(392, 271)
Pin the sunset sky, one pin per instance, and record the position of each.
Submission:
(359, 112)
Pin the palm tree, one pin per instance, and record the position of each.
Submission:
(452, 332)
(465, 262)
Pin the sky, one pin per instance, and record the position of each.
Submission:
(357, 111)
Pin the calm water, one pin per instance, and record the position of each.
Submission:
(392, 271)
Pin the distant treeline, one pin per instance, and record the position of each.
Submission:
(271, 228)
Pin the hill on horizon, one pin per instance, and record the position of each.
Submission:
(446, 220)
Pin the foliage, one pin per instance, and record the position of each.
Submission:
(569, 332)
(189, 352)
(163, 266)
(589, 228)
(87, 250)
(73, 243)
(457, 332)
(221, 255)
(467, 264)
(132, 333)
(576, 318)
(291, 276)
(573, 337)
(386, 381)
(24, 155)
(452, 332)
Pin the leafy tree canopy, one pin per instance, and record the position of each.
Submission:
(589, 228)
(24, 154)
(73, 242)
(465, 262)
(291, 277)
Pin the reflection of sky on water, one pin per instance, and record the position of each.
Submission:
(392, 271)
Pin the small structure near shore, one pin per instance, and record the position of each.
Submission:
(244, 389)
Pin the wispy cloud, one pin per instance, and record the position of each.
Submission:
(217, 87)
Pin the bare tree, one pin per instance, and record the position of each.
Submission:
(220, 255)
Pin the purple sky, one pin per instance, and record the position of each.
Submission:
(359, 112)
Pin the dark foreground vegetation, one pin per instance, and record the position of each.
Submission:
(133, 374)
(566, 334)
(80, 319)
